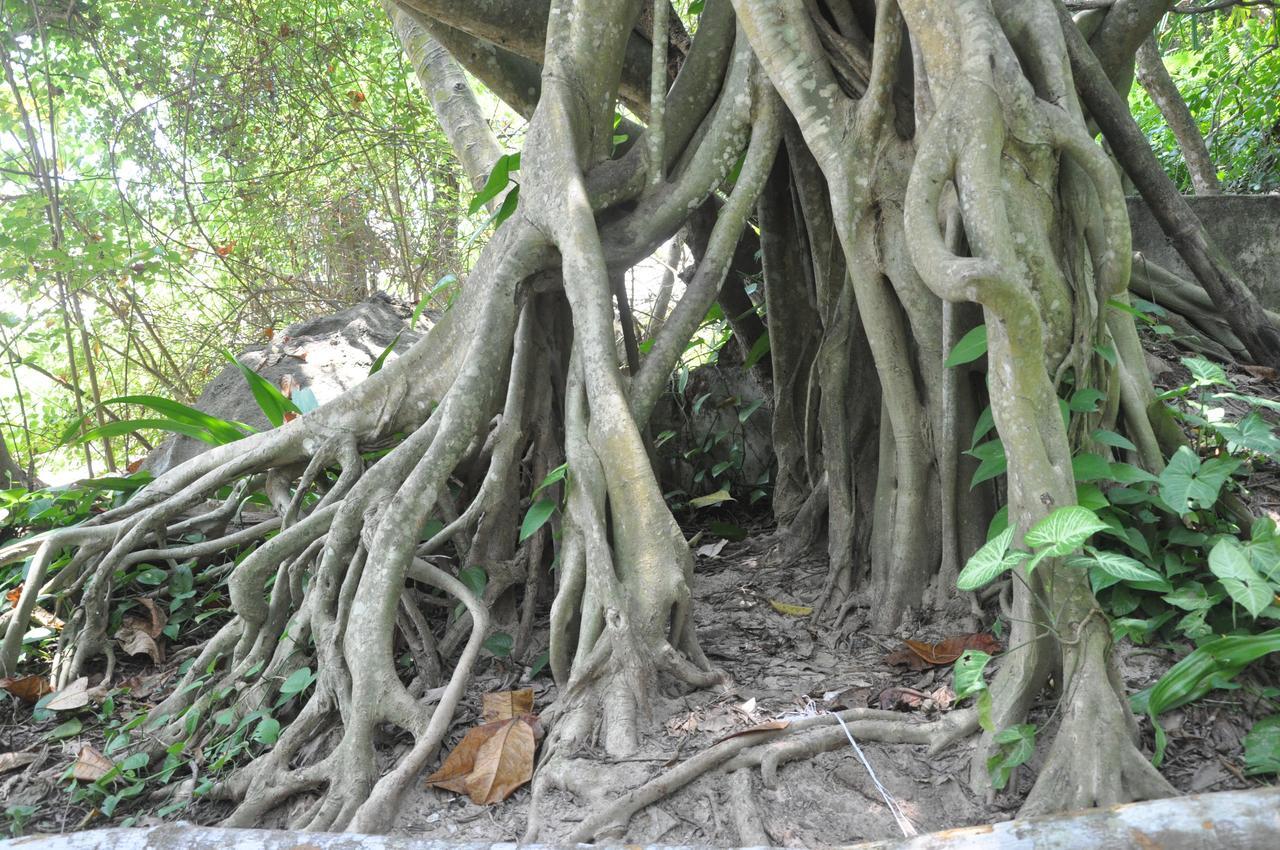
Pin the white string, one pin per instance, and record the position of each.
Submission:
(908, 830)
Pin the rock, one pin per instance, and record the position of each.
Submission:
(326, 355)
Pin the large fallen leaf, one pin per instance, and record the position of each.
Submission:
(156, 618)
(90, 765)
(918, 655)
(453, 774)
(13, 761)
(29, 689)
(73, 696)
(135, 640)
(791, 610)
(491, 761)
(504, 705)
(503, 763)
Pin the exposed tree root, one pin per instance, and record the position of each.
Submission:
(767, 749)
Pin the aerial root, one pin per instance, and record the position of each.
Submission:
(769, 749)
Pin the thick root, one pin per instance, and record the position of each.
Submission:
(1094, 759)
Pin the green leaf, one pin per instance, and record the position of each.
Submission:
(1107, 353)
(1206, 668)
(497, 181)
(220, 429)
(970, 347)
(1090, 467)
(499, 644)
(508, 207)
(745, 413)
(430, 529)
(727, 530)
(136, 761)
(1228, 561)
(986, 421)
(1086, 400)
(475, 578)
(267, 731)
(121, 427)
(994, 463)
(67, 729)
(721, 495)
(758, 349)
(968, 673)
(536, 517)
(539, 664)
(1262, 747)
(273, 403)
(1252, 433)
(440, 285)
(1089, 496)
(1062, 532)
(989, 562)
(1111, 438)
(1119, 566)
(1016, 745)
(1125, 308)
(299, 680)
(1127, 473)
(1205, 373)
(1186, 479)
(382, 358)
(555, 475)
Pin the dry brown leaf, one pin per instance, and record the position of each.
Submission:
(452, 775)
(158, 618)
(503, 763)
(1265, 373)
(494, 759)
(918, 655)
(683, 725)
(504, 705)
(134, 640)
(13, 761)
(767, 726)
(90, 765)
(74, 695)
(14, 595)
(29, 689)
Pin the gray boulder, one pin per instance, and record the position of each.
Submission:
(326, 355)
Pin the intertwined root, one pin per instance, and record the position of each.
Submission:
(768, 750)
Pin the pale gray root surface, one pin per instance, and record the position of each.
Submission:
(1231, 820)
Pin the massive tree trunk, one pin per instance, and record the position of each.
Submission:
(913, 166)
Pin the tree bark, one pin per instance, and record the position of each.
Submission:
(1154, 77)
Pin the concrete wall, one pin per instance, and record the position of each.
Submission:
(1246, 228)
